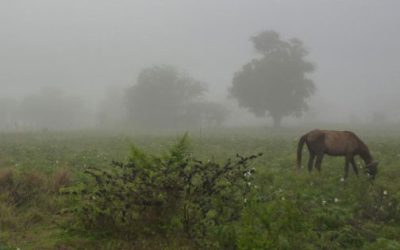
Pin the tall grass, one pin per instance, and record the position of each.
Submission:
(285, 210)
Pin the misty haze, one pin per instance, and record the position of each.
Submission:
(91, 50)
(150, 124)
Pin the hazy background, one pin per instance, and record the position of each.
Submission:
(90, 48)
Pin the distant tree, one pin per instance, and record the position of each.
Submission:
(162, 96)
(111, 110)
(277, 82)
(206, 114)
(52, 109)
(8, 113)
(214, 114)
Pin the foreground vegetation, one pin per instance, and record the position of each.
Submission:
(174, 193)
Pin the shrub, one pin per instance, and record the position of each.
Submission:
(379, 205)
(26, 188)
(169, 194)
(383, 243)
(6, 179)
(61, 178)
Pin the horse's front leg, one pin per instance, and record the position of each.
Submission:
(353, 164)
(318, 162)
(346, 166)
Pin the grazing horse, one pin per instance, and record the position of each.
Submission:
(336, 143)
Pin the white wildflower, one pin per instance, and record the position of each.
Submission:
(342, 179)
(336, 200)
(385, 192)
(245, 200)
(324, 202)
(247, 174)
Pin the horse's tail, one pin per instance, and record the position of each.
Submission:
(300, 150)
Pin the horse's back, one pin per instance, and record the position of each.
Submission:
(332, 142)
(315, 135)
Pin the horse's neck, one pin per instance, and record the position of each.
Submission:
(366, 155)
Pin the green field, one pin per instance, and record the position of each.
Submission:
(285, 209)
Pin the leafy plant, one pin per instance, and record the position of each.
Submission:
(169, 194)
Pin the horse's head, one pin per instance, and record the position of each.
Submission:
(372, 169)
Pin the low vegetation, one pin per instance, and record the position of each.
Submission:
(73, 191)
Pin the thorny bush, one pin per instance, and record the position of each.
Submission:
(169, 194)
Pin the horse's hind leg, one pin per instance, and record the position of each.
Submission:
(311, 161)
(319, 161)
(353, 164)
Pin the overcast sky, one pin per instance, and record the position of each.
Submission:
(87, 45)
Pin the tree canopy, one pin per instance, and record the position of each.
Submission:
(164, 97)
(277, 81)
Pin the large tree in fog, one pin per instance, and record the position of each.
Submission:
(275, 83)
(162, 97)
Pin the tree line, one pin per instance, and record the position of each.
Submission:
(276, 83)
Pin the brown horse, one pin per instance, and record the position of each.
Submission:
(336, 143)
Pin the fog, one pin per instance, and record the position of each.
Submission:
(91, 52)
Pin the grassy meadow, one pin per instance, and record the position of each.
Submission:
(283, 209)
